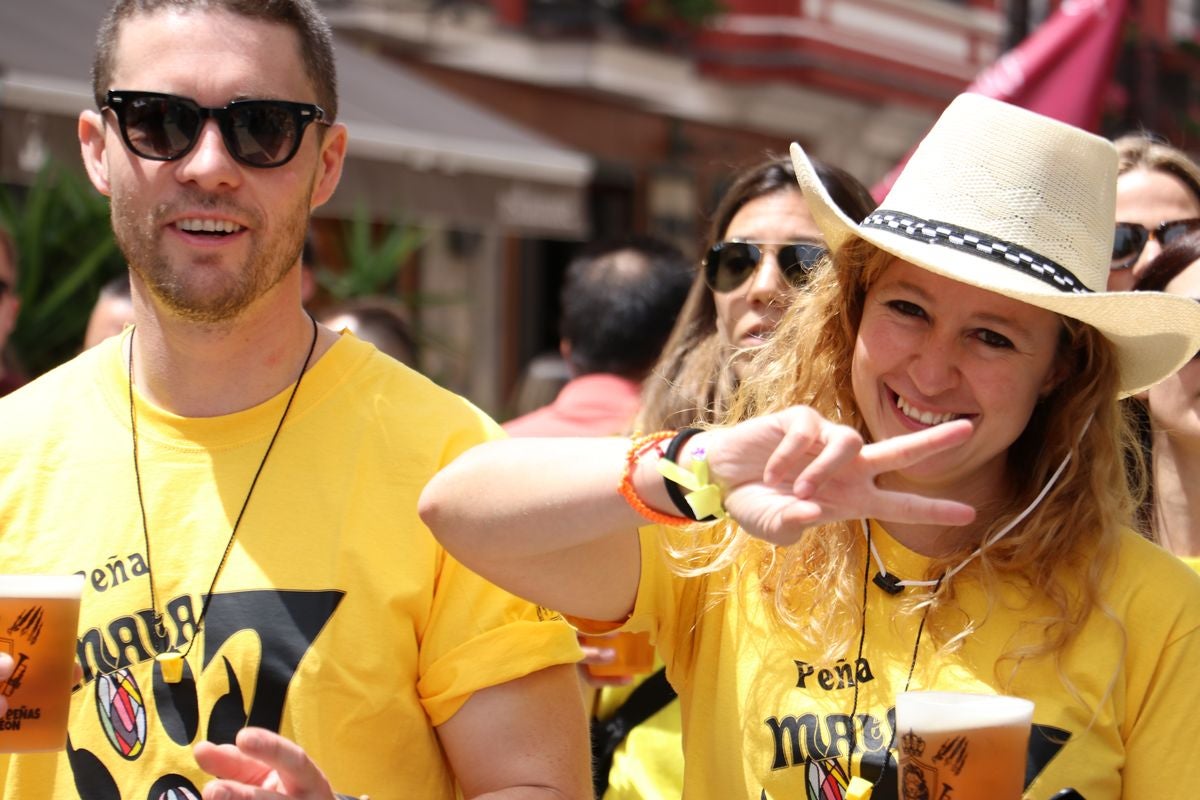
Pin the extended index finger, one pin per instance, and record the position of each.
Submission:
(919, 510)
(912, 448)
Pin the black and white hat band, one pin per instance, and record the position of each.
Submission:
(978, 244)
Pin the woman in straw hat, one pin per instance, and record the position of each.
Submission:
(925, 489)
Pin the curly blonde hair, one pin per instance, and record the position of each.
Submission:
(1075, 528)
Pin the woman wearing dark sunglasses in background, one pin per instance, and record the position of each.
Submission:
(1158, 200)
(762, 243)
(1173, 405)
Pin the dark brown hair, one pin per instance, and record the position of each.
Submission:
(694, 381)
(302, 16)
(1174, 259)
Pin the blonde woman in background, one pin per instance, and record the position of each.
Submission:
(1158, 200)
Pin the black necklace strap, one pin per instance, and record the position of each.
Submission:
(160, 628)
(912, 666)
(1013, 256)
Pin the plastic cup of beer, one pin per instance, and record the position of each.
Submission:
(39, 616)
(632, 653)
(972, 746)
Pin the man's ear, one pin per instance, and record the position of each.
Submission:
(329, 164)
(92, 147)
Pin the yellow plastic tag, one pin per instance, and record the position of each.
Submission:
(859, 789)
(172, 666)
(704, 497)
(677, 474)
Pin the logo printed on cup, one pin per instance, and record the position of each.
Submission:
(971, 745)
(39, 615)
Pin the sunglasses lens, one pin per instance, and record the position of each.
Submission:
(798, 261)
(262, 132)
(1128, 241)
(1172, 231)
(160, 127)
(729, 264)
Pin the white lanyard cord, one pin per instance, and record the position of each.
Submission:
(997, 536)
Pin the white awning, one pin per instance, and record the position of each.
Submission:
(416, 151)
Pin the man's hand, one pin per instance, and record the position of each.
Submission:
(261, 760)
(784, 472)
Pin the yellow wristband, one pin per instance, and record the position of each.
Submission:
(703, 496)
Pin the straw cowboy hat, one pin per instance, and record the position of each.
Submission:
(1013, 202)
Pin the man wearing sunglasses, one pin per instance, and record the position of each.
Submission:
(238, 485)
(1158, 201)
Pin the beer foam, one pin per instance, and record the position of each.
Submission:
(42, 587)
(936, 712)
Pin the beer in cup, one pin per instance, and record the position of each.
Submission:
(39, 615)
(632, 654)
(972, 746)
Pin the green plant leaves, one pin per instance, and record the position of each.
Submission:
(66, 252)
(374, 256)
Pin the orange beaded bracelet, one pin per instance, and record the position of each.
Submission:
(638, 448)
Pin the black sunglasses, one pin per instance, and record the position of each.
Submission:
(258, 133)
(1131, 239)
(728, 264)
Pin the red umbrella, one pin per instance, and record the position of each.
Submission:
(1060, 70)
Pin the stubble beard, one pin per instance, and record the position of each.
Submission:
(200, 291)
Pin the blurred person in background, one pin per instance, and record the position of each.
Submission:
(112, 313)
(539, 383)
(1158, 200)
(380, 321)
(1173, 407)
(619, 301)
(11, 376)
(762, 245)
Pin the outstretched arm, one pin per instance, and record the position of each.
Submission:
(542, 517)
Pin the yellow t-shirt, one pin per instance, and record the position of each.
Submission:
(763, 719)
(1191, 561)
(337, 620)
